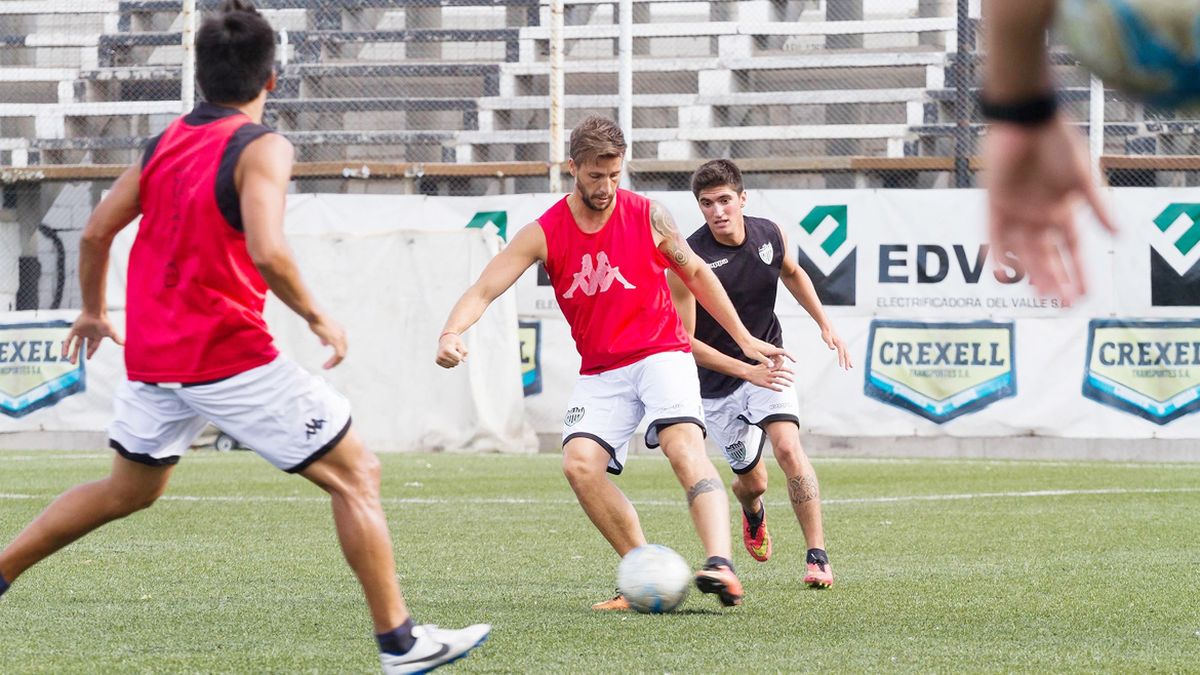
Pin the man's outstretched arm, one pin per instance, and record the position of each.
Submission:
(771, 377)
(525, 249)
(703, 284)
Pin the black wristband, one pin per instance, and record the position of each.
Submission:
(1028, 113)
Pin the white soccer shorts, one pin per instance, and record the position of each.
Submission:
(284, 413)
(607, 407)
(736, 421)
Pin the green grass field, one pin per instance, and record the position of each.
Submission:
(941, 566)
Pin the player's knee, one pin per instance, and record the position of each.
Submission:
(580, 470)
(125, 500)
(683, 446)
(364, 476)
(790, 456)
(750, 485)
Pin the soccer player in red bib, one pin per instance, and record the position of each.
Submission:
(606, 251)
(745, 402)
(211, 192)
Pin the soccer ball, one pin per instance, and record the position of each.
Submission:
(1148, 49)
(654, 579)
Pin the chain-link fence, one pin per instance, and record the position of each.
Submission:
(453, 97)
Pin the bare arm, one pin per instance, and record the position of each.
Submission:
(1017, 65)
(704, 285)
(798, 283)
(771, 377)
(525, 249)
(113, 214)
(262, 177)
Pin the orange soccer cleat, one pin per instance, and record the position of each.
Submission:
(617, 603)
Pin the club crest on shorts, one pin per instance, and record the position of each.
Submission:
(573, 416)
(766, 253)
(736, 451)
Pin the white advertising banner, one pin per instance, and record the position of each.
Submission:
(946, 339)
(42, 391)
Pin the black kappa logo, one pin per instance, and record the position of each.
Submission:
(313, 426)
(573, 416)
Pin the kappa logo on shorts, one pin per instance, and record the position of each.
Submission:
(737, 451)
(313, 426)
(573, 416)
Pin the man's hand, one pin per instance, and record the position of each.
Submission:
(765, 353)
(331, 334)
(451, 350)
(833, 341)
(769, 377)
(1034, 176)
(90, 329)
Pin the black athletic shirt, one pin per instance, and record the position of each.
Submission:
(227, 197)
(750, 275)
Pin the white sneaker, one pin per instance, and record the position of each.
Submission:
(435, 647)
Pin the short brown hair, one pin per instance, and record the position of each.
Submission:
(596, 138)
(716, 173)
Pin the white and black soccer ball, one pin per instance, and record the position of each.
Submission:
(654, 579)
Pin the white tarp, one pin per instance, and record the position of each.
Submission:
(391, 291)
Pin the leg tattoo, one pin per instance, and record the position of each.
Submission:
(702, 486)
(803, 489)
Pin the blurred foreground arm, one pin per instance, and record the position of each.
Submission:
(1036, 165)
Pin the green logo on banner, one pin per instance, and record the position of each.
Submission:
(817, 216)
(1172, 213)
(499, 219)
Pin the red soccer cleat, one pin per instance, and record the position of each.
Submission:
(758, 543)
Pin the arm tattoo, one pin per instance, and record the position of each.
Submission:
(664, 224)
(702, 486)
(803, 489)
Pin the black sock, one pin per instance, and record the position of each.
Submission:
(716, 560)
(398, 640)
(3, 585)
(817, 556)
(756, 519)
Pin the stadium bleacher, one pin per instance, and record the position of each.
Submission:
(87, 81)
